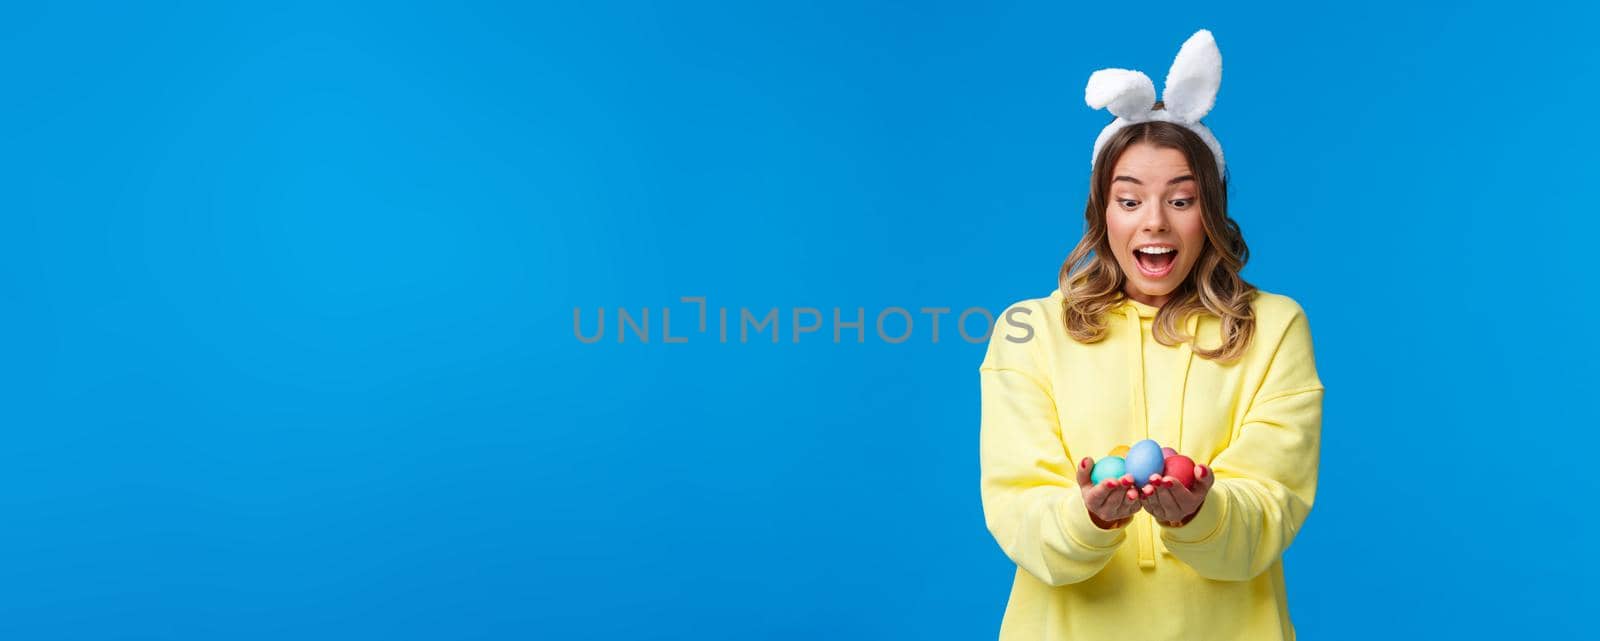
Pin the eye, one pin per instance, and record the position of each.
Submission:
(1182, 203)
(1128, 203)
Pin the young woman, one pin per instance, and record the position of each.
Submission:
(1152, 334)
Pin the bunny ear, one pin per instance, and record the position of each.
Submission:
(1192, 83)
(1126, 93)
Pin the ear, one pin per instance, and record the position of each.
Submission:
(1126, 93)
(1192, 83)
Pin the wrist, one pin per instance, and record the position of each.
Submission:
(1190, 517)
(1107, 525)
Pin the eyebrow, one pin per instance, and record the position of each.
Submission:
(1136, 181)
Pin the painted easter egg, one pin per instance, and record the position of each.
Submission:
(1182, 468)
(1110, 467)
(1167, 452)
(1144, 459)
(1120, 450)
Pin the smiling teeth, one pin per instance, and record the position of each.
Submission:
(1156, 250)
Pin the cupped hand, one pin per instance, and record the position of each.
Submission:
(1112, 502)
(1172, 504)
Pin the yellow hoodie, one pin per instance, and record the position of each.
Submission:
(1049, 401)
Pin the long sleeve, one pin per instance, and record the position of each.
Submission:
(1031, 501)
(1266, 479)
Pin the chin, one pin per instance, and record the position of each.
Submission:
(1154, 291)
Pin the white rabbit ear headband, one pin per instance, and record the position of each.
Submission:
(1190, 92)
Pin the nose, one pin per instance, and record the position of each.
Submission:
(1155, 219)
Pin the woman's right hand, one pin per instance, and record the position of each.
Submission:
(1113, 502)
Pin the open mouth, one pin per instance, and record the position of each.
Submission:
(1155, 262)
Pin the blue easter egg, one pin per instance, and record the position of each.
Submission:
(1110, 467)
(1144, 458)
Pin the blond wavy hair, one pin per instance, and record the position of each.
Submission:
(1093, 282)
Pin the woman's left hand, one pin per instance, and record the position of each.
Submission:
(1172, 504)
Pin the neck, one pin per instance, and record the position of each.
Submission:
(1153, 301)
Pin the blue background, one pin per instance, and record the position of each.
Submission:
(289, 345)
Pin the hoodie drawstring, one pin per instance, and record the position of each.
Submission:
(1147, 534)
